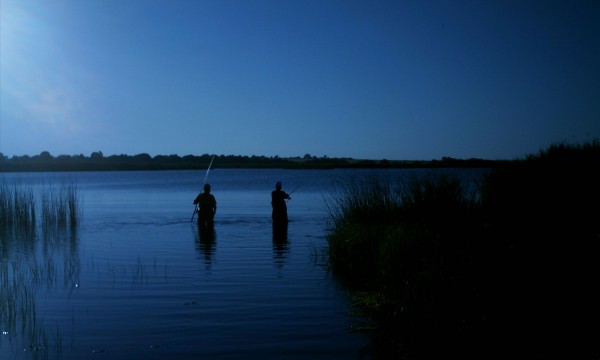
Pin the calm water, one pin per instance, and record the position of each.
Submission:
(137, 279)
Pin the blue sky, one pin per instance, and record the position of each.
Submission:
(404, 80)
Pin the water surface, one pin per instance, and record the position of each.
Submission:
(137, 278)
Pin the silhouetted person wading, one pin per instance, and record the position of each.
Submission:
(278, 198)
(207, 207)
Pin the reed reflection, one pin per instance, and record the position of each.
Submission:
(280, 244)
(24, 274)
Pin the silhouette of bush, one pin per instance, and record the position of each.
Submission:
(506, 271)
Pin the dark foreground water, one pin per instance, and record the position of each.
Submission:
(137, 279)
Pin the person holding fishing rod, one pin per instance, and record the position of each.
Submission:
(206, 206)
(278, 198)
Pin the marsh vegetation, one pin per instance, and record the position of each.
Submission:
(56, 205)
(29, 214)
(506, 269)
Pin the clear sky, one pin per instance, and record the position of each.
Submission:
(400, 80)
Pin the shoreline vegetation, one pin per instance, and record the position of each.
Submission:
(97, 161)
(509, 270)
(22, 209)
(41, 217)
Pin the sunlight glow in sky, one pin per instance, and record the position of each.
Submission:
(404, 80)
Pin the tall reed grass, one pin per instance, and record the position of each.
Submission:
(508, 270)
(376, 224)
(59, 206)
(17, 206)
(407, 250)
(24, 209)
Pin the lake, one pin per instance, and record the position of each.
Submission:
(137, 279)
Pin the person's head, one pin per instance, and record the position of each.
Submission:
(278, 185)
(206, 188)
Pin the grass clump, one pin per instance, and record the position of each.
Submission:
(21, 206)
(404, 251)
(60, 206)
(508, 270)
(17, 207)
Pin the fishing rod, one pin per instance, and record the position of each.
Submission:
(197, 206)
(207, 170)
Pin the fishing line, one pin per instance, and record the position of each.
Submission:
(296, 188)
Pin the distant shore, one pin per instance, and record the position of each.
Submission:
(98, 162)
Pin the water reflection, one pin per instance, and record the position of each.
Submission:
(280, 244)
(28, 264)
(206, 242)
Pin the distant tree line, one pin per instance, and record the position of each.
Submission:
(97, 161)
